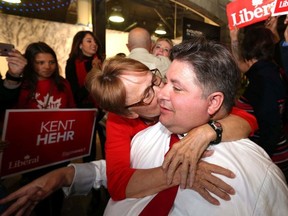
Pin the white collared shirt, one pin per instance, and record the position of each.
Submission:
(259, 183)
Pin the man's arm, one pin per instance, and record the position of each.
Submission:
(27, 197)
(87, 176)
(76, 179)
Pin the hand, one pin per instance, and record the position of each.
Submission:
(187, 152)
(205, 182)
(234, 34)
(96, 63)
(272, 23)
(16, 63)
(26, 198)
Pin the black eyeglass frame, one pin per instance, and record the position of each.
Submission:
(155, 77)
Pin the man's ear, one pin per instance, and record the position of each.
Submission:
(215, 101)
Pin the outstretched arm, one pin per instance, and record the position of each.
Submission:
(76, 179)
(27, 197)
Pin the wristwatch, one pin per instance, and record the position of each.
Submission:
(217, 127)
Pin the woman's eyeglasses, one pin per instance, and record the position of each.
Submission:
(149, 92)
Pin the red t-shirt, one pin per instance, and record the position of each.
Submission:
(47, 96)
(120, 131)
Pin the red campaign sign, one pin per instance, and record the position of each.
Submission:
(41, 138)
(281, 7)
(243, 13)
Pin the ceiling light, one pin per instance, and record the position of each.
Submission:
(160, 30)
(116, 15)
(12, 1)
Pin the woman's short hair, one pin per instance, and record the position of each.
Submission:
(107, 88)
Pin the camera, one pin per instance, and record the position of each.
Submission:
(5, 48)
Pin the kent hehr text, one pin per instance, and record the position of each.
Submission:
(55, 132)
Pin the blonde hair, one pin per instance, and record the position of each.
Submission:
(170, 42)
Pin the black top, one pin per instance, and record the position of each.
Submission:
(264, 97)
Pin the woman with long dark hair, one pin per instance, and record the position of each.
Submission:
(42, 86)
(85, 54)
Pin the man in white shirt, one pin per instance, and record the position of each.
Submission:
(201, 84)
(139, 45)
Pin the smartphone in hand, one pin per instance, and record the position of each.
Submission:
(5, 48)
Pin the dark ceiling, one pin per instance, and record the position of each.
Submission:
(149, 13)
(52, 10)
(141, 13)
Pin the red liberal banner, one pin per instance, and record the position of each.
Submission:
(40, 138)
(281, 7)
(243, 13)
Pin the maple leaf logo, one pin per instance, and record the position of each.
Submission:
(48, 102)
